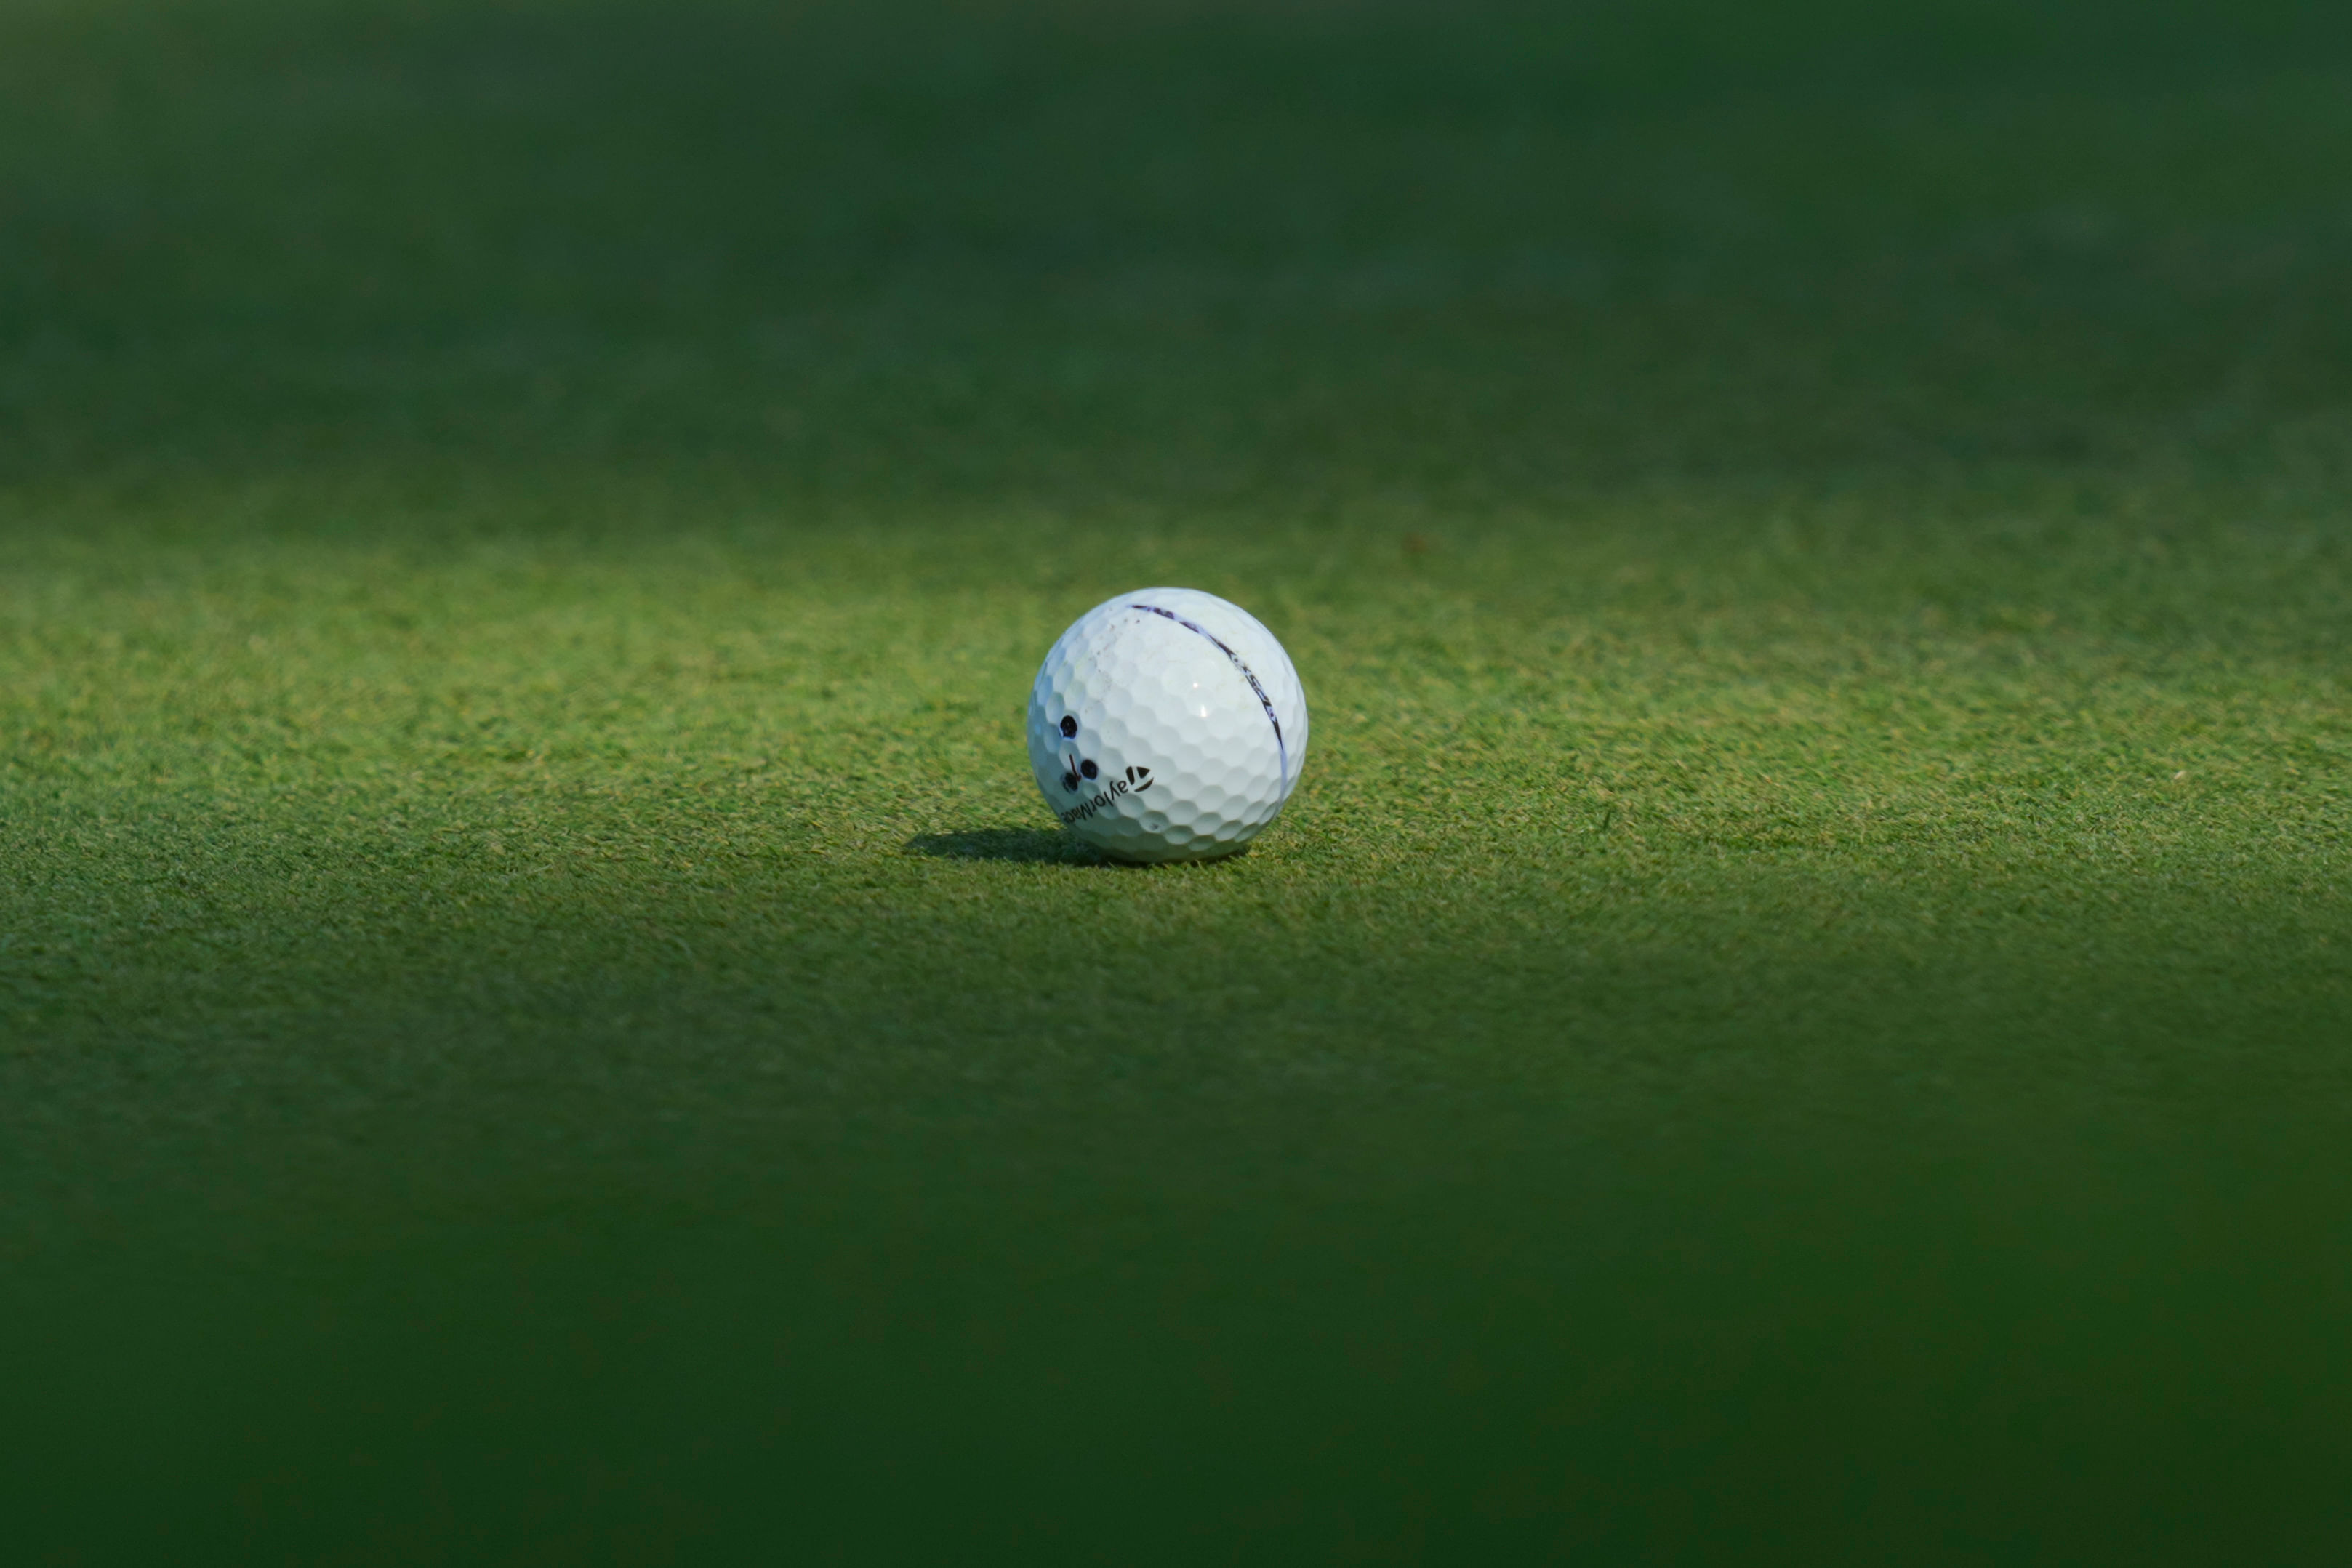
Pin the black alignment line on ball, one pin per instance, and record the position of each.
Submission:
(1281, 750)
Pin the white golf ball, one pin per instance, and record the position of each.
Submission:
(1167, 725)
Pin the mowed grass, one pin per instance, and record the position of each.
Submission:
(1800, 1010)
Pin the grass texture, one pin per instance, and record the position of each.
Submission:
(1798, 1012)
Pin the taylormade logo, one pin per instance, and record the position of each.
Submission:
(1080, 773)
(1136, 780)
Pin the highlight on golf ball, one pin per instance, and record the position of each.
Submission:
(1167, 725)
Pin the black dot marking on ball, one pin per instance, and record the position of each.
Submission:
(1069, 724)
(1088, 768)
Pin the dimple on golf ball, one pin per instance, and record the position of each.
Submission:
(1167, 725)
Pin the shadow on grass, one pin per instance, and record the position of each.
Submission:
(1027, 846)
(1031, 846)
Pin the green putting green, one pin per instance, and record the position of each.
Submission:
(1800, 1010)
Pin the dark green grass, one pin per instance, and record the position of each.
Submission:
(1799, 1013)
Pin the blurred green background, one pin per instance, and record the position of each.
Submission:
(1799, 1013)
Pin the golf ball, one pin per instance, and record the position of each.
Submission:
(1167, 725)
